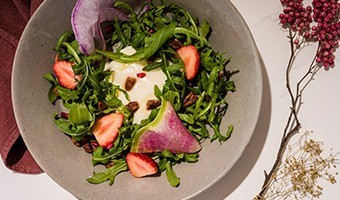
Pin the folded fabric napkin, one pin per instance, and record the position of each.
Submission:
(13, 18)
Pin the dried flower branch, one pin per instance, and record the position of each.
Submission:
(298, 176)
(324, 14)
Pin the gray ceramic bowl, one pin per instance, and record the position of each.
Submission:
(70, 166)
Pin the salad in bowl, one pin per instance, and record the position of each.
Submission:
(132, 74)
(140, 85)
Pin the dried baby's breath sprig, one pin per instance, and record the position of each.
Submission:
(299, 174)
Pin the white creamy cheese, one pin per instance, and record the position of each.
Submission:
(143, 90)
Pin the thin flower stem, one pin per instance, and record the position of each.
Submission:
(310, 71)
(288, 86)
(293, 124)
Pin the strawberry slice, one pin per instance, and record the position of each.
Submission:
(141, 165)
(65, 74)
(106, 129)
(191, 59)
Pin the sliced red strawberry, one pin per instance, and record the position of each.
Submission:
(141, 165)
(106, 129)
(191, 59)
(65, 74)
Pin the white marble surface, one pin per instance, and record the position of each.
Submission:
(320, 113)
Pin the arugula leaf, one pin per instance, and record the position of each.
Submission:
(109, 174)
(204, 29)
(191, 157)
(175, 68)
(94, 81)
(174, 98)
(79, 114)
(152, 44)
(218, 135)
(63, 38)
(138, 40)
(171, 175)
(67, 94)
(168, 155)
(65, 126)
(73, 52)
(100, 157)
(152, 66)
(161, 164)
(158, 92)
(51, 78)
(187, 118)
(189, 34)
(52, 97)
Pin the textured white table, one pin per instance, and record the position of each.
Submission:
(320, 113)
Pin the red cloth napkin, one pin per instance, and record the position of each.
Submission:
(13, 18)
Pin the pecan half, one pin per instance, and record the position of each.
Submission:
(151, 104)
(109, 165)
(75, 142)
(83, 141)
(102, 105)
(175, 44)
(190, 99)
(88, 148)
(129, 83)
(133, 106)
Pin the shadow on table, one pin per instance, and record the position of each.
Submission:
(243, 166)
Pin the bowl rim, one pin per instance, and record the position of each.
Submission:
(17, 113)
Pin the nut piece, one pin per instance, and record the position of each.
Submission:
(88, 148)
(133, 106)
(75, 142)
(83, 141)
(102, 105)
(129, 83)
(55, 91)
(151, 104)
(175, 44)
(109, 165)
(190, 99)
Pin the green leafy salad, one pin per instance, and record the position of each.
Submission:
(141, 86)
